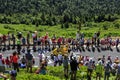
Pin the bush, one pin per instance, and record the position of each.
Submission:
(36, 77)
(117, 25)
(6, 26)
(105, 27)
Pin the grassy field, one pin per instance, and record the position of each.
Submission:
(89, 28)
(54, 73)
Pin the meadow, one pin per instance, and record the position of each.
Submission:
(56, 73)
(88, 28)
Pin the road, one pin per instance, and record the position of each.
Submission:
(92, 54)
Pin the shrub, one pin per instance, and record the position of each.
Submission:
(105, 27)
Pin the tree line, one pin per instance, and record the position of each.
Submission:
(52, 12)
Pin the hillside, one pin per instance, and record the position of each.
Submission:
(52, 12)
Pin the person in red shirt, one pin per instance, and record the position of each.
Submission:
(7, 62)
(15, 61)
(59, 41)
(46, 39)
(11, 60)
(54, 40)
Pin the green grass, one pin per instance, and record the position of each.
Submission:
(54, 73)
(88, 29)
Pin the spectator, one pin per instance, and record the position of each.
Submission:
(40, 58)
(54, 40)
(7, 62)
(28, 38)
(113, 66)
(18, 45)
(99, 69)
(118, 72)
(77, 35)
(59, 41)
(14, 40)
(46, 61)
(65, 65)
(9, 38)
(42, 69)
(13, 75)
(90, 69)
(73, 66)
(15, 59)
(29, 61)
(60, 57)
(107, 70)
(55, 60)
(2, 67)
(117, 42)
(23, 60)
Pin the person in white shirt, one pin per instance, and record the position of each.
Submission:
(55, 60)
(60, 58)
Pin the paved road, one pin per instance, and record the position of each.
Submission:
(92, 54)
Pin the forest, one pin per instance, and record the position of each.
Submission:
(53, 12)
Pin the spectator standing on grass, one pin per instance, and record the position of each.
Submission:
(73, 66)
(39, 41)
(107, 70)
(4, 39)
(54, 40)
(34, 36)
(19, 35)
(95, 38)
(59, 41)
(113, 66)
(118, 72)
(98, 34)
(65, 66)
(18, 45)
(60, 57)
(99, 69)
(90, 69)
(13, 40)
(55, 60)
(8, 38)
(28, 38)
(23, 60)
(29, 61)
(15, 59)
(46, 39)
